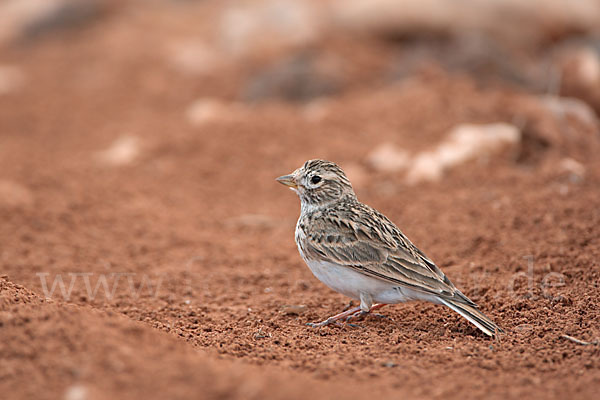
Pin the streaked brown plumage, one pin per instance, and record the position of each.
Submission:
(357, 251)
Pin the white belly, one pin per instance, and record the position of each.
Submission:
(352, 283)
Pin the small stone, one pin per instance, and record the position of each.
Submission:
(76, 392)
(425, 167)
(573, 167)
(13, 195)
(463, 143)
(121, 152)
(580, 74)
(586, 65)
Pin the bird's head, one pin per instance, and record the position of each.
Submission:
(319, 182)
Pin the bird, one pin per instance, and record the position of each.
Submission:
(357, 251)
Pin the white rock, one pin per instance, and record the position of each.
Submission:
(426, 166)
(122, 151)
(388, 158)
(588, 66)
(572, 166)
(463, 143)
(466, 141)
(76, 392)
(203, 110)
(13, 194)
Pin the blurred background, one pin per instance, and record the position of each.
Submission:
(132, 73)
(139, 142)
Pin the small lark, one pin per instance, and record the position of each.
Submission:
(359, 252)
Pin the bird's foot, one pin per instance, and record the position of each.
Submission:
(348, 315)
(360, 315)
(319, 324)
(335, 318)
(357, 316)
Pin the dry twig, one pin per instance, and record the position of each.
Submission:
(581, 342)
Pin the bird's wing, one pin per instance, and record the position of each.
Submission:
(363, 239)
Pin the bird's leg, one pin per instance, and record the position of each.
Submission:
(349, 314)
(375, 307)
(362, 313)
(335, 318)
(365, 305)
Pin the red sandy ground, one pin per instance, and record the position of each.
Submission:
(199, 213)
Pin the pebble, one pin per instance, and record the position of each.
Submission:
(14, 195)
(463, 143)
(76, 392)
(123, 151)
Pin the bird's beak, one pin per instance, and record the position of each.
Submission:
(288, 180)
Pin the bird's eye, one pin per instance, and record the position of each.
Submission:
(315, 179)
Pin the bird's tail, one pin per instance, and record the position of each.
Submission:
(474, 316)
